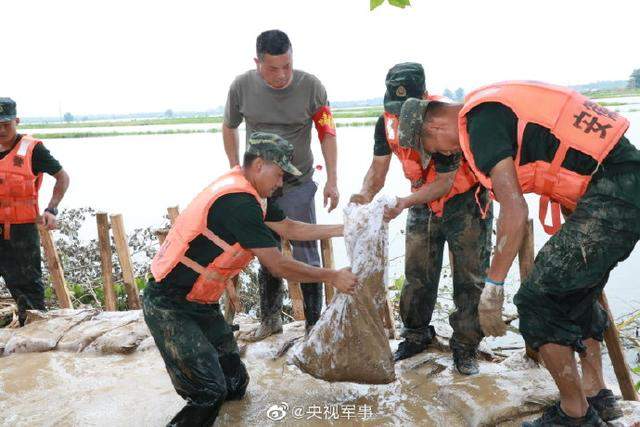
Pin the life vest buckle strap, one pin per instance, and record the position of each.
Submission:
(483, 210)
(203, 271)
(216, 240)
(555, 215)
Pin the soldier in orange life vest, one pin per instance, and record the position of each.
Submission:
(23, 161)
(527, 137)
(212, 240)
(442, 208)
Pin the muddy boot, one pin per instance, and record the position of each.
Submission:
(267, 327)
(554, 416)
(466, 361)
(22, 310)
(195, 415)
(413, 345)
(312, 301)
(606, 405)
(271, 296)
(407, 349)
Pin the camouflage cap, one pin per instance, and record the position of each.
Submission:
(410, 126)
(272, 147)
(7, 109)
(405, 80)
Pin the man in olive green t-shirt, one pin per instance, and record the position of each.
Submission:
(278, 99)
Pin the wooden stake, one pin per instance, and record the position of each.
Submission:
(161, 234)
(229, 309)
(173, 213)
(55, 268)
(295, 293)
(326, 248)
(105, 257)
(124, 256)
(616, 354)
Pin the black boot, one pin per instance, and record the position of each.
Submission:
(606, 405)
(411, 347)
(408, 348)
(195, 416)
(555, 416)
(466, 361)
(271, 296)
(312, 302)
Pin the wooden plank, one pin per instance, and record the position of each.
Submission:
(526, 255)
(55, 268)
(326, 249)
(124, 256)
(104, 243)
(616, 354)
(295, 293)
(161, 234)
(173, 213)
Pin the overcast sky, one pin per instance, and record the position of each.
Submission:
(97, 56)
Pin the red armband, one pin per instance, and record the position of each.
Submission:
(323, 118)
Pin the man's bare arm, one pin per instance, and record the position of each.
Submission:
(59, 189)
(427, 193)
(289, 268)
(511, 221)
(231, 144)
(373, 180)
(433, 191)
(297, 230)
(329, 148)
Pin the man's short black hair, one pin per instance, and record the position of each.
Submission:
(273, 42)
(248, 159)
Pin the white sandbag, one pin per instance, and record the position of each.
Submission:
(349, 343)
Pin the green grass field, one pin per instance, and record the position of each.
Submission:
(618, 93)
(64, 135)
(345, 113)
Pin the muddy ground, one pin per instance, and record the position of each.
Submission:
(84, 368)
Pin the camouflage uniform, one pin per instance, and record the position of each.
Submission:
(196, 343)
(199, 352)
(558, 302)
(469, 239)
(21, 268)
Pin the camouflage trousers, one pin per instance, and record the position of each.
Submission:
(297, 204)
(558, 302)
(469, 239)
(21, 268)
(199, 352)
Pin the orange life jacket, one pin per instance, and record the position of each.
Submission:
(412, 164)
(577, 122)
(19, 186)
(191, 223)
